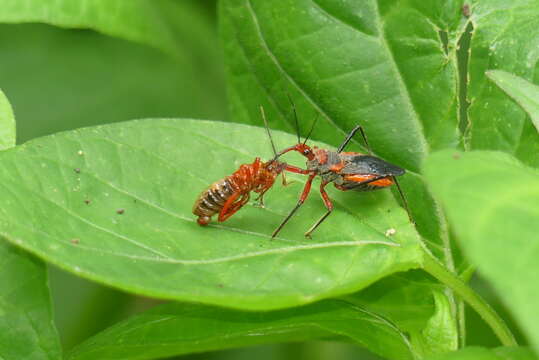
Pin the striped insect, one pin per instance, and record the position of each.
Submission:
(228, 195)
(346, 170)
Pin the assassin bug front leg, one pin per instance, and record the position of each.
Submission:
(346, 170)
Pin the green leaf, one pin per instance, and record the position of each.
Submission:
(479, 353)
(26, 328)
(175, 329)
(523, 92)
(92, 79)
(7, 123)
(440, 333)
(381, 65)
(492, 202)
(163, 24)
(74, 183)
(416, 305)
(505, 38)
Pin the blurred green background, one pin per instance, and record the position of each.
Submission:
(60, 79)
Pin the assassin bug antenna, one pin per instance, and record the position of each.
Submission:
(295, 116)
(312, 128)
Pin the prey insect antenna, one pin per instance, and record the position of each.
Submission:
(312, 128)
(268, 131)
(295, 116)
(404, 201)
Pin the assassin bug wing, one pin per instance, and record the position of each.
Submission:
(367, 164)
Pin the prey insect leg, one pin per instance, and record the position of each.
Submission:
(301, 200)
(231, 206)
(329, 206)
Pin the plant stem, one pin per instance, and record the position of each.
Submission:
(487, 313)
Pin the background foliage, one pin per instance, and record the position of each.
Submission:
(401, 69)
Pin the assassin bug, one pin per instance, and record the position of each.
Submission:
(228, 195)
(346, 170)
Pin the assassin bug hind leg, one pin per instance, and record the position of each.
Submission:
(329, 206)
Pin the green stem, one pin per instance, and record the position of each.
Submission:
(436, 269)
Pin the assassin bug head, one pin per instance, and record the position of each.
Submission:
(300, 147)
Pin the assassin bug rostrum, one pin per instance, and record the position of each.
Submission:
(346, 170)
(226, 196)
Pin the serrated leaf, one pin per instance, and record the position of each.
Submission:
(479, 353)
(175, 329)
(505, 38)
(381, 65)
(157, 23)
(523, 92)
(492, 202)
(7, 123)
(74, 183)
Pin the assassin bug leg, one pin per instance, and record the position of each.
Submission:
(301, 200)
(351, 135)
(329, 206)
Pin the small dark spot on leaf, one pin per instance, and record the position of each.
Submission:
(456, 156)
(120, 211)
(75, 241)
(77, 170)
(388, 210)
(220, 285)
(466, 11)
(87, 201)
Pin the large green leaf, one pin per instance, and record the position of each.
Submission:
(165, 24)
(523, 92)
(7, 123)
(505, 37)
(381, 65)
(479, 353)
(175, 329)
(74, 183)
(493, 204)
(26, 328)
(384, 65)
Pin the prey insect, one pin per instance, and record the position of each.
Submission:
(346, 170)
(228, 195)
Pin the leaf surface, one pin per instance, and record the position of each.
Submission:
(479, 353)
(505, 37)
(163, 24)
(523, 92)
(7, 123)
(113, 203)
(492, 202)
(26, 328)
(175, 329)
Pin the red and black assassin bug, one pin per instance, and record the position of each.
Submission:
(228, 195)
(346, 170)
